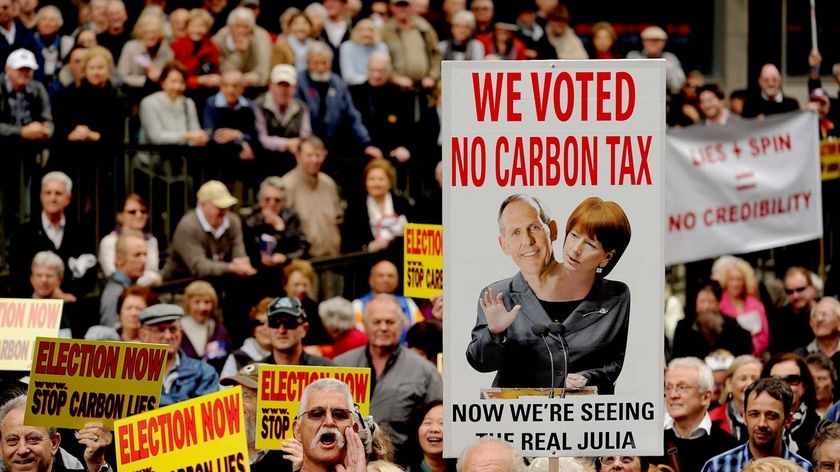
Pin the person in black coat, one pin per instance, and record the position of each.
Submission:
(376, 221)
(768, 99)
(709, 330)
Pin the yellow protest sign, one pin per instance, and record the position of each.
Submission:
(830, 159)
(203, 434)
(280, 389)
(73, 381)
(21, 321)
(423, 268)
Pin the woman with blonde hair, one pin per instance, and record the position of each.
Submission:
(729, 415)
(143, 58)
(355, 52)
(740, 301)
(205, 337)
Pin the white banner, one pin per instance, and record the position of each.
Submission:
(743, 187)
(562, 132)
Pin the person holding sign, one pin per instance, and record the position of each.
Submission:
(36, 448)
(550, 303)
(326, 426)
(185, 377)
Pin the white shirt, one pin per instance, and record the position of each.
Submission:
(218, 232)
(56, 235)
(702, 429)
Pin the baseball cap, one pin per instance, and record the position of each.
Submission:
(400, 2)
(160, 313)
(284, 73)
(215, 193)
(248, 376)
(654, 32)
(285, 306)
(21, 58)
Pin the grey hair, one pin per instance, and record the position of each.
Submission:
(381, 55)
(316, 8)
(326, 385)
(386, 297)
(59, 176)
(383, 466)
(50, 260)
(271, 181)
(241, 14)
(544, 214)
(318, 47)
(705, 379)
(337, 312)
(465, 16)
(19, 403)
(50, 9)
(835, 305)
(517, 462)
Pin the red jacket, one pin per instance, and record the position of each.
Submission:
(205, 62)
(718, 416)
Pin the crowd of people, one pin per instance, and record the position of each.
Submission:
(315, 132)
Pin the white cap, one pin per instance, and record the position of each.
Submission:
(284, 73)
(21, 58)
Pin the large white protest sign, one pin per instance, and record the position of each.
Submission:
(561, 132)
(743, 187)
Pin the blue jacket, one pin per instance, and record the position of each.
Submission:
(341, 124)
(194, 378)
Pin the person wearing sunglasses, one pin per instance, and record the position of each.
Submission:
(767, 410)
(793, 370)
(288, 325)
(133, 217)
(789, 325)
(256, 347)
(326, 425)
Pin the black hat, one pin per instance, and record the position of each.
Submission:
(286, 306)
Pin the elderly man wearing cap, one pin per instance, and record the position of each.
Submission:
(25, 123)
(282, 119)
(208, 240)
(288, 324)
(185, 377)
(653, 47)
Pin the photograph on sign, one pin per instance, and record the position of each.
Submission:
(553, 253)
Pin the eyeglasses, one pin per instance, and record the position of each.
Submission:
(791, 291)
(826, 466)
(318, 414)
(681, 389)
(626, 460)
(134, 212)
(792, 380)
(275, 322)
(256, 323)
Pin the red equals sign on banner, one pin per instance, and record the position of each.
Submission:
(745, 181)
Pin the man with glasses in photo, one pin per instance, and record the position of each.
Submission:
(185, 378)
(805, 420)
(690, 436)
(288, 325)
(767, 412)
(326, 428)
(826, 448)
